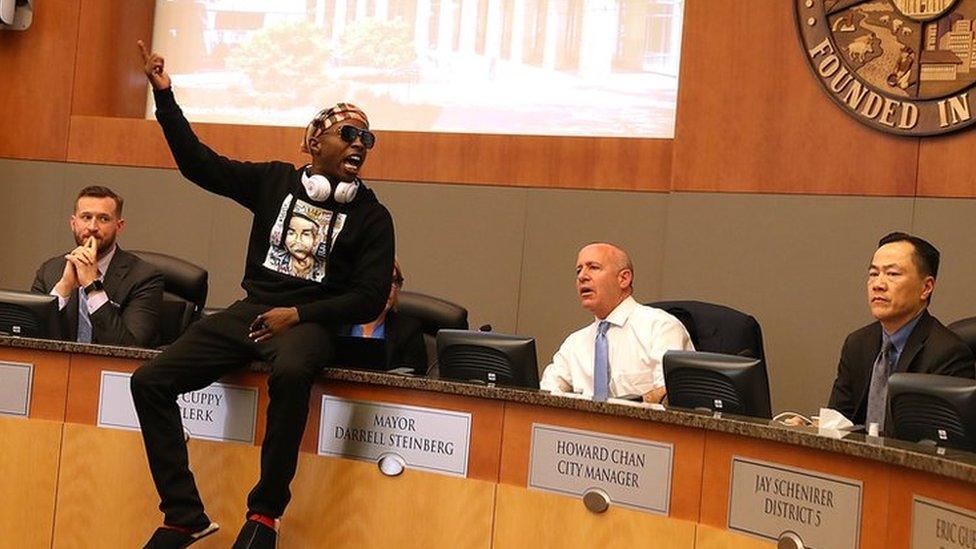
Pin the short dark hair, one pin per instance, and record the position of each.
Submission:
(926, 256)
(98, 191)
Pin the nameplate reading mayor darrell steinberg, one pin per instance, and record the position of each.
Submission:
(635, 473)
(768, 499)
(427, 439)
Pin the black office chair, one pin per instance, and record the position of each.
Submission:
(184, 293)
(434, 314)
(966, 330)
(717, 328)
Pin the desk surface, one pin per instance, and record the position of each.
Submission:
(944, 462)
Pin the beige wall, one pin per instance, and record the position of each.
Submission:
(797, 263)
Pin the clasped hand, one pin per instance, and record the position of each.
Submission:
(80, 269)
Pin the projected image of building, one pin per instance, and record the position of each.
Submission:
(462, 52)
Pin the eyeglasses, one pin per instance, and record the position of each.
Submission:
(350, 133)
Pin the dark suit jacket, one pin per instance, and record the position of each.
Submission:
(131, 316)
(931, 349)
(404, 344)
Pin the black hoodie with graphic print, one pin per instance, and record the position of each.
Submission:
(291, 261)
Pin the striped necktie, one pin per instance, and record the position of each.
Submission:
(878, 392)
(84, 321)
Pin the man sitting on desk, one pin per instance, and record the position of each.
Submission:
(106, 295)
(620, 353)
(906, 338)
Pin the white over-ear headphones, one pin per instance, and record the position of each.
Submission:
(319, 188)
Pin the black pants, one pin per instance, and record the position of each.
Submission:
(212, 347)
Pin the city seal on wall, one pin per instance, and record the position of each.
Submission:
(906, 67)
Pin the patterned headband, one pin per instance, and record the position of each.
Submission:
(326, 118)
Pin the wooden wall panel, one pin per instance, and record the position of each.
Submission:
(523, 161)
(350, 504)
(38, 67)
(537, 520)
(106, 496)
(108, 76)
(947, 166)
(752, 117)
(29, 462)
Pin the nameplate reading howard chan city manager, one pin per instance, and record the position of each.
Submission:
(427, 439)
(634, 473)
(768, 499)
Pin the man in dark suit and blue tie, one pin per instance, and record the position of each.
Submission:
(106, 295)
(905, 338)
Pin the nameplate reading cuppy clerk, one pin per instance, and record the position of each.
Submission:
(219, 412)
(15, 388)
(635, 473)
(427, 439)
(767, 499)
(938, 525)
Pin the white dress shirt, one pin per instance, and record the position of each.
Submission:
(100, 298)
(638, 337)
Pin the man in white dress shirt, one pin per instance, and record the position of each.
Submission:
(619, 354)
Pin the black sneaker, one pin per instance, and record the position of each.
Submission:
(174, 538)
(255, 535)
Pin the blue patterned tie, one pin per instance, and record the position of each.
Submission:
(601, 364)
(84, 321)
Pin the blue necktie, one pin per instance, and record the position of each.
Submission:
(601, 364)
(84, 322)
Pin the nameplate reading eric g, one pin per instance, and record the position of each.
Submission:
(936, 524)
(427, 439)
(768, 499)
(634, 473)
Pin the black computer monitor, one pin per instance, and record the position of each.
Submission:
(487, 357)
(722, 383)
(29, 315)
(931, 408)
(362, 353)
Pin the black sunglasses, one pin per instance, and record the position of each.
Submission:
(350, 133)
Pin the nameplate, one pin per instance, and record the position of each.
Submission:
(427, 439)
(938, 524)
(635, 473)
(220, 412)
(768, 499)
(15, 388)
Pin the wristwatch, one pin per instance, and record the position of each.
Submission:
(95, 286)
